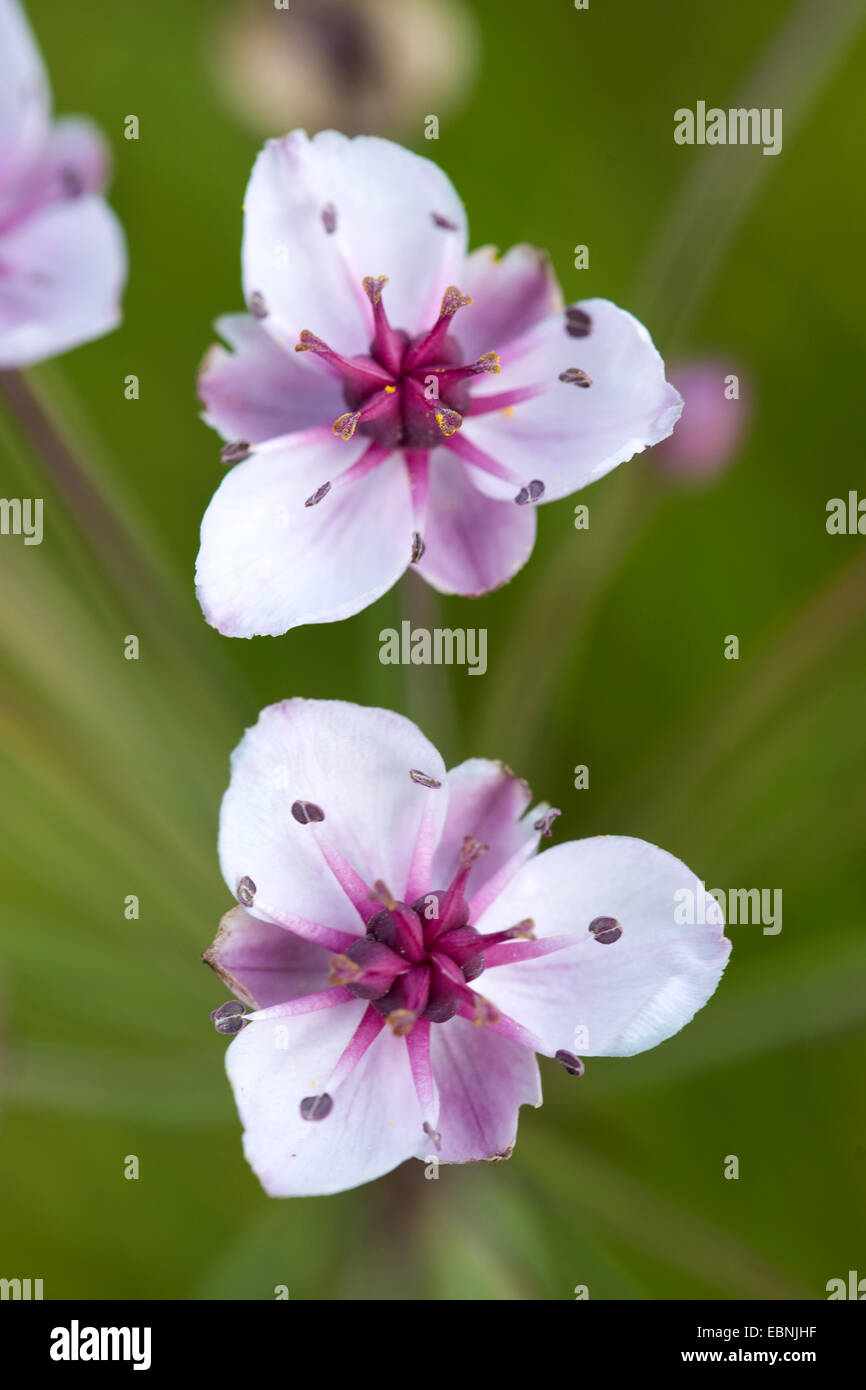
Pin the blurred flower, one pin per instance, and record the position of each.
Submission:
(375, 889)
(716, 409)
(361, 65)
(388, 440)
(62, 252)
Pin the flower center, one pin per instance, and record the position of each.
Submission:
(407, 392)
(417, 961)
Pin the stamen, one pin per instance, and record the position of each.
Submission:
(449, 421)
(423, 779)
(606, 930)
(345, 425)
(304, 1004)
(576, 376)
(401, 1022)
(452, 300)
(229, 1017)
(430, 344)
(246, 891)
(531, 493)
(504, 400)
(332, 938)
(444, 222)
(471, 454)
(578, 323)
(329, 218)
(362, 375)
(418, 1048)
(488, 362)
(316, 498)
(388, 345)
(366, 1033)
(512, 952)
(368, 969)
(257, 306)
(235, 452)
(316, 1107)
(543, 826)
(373, 287)
(418, 548)
(433, 1135)
(305, 812)
(573, 1065)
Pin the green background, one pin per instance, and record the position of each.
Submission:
(606, 650)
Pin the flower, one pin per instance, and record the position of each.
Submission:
(405, 951)
(62, 252)
(716, 409)
(359, 64)
(390, 400)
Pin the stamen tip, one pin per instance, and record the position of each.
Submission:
(246, 891)
(318, 495)
(373, 287)
(306, 812)
(573, 1065)
(316, 1107)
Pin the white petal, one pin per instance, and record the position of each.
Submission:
(268, 563)
(25, 98)
(353, 763)
(384, 200)
(260, 390)
(482, 1080)
(375, 1122)
(62, 272)
(616, 999)
(571, 435)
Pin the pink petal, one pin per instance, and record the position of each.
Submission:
(375, 1122)
(25, 98)
(615, 999)
(382, 201)
(62, 271)
(473, 542)
(260, 390)
(488, 802)
(71, 161)
(354, 764)
(482, 1079)
(509, 296)
(268, 563)
(569, 435)
(263, 964)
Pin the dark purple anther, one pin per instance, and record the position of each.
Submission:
(575, 376)
(329, 218)
(444, 222)
(543, 826)
(573, 1065)
(418, 547)
(531, 493)
(235, 452)
(257, 306)
(433, 1134)
(305, 812)
(317, 496)
(605, 929)
(246, 891)
(316, 1107)
(578, 323)
(423, 780)
(229, 1017)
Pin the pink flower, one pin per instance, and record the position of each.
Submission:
(406, 952)
(392, 400)
(62, 252)
(716, 410)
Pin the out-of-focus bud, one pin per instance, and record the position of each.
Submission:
(710, 430)
(372, 66)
